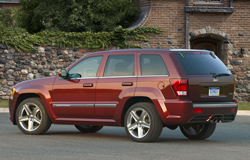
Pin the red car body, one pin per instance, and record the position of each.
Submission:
(104, 101)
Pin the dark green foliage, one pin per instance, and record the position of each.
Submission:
(77, 15)
(119, 38)
(9, 20)
(6, 18)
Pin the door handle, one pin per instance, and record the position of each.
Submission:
(127, 83)
(88, 85)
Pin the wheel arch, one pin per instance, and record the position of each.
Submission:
(21, 98)
(130, 102)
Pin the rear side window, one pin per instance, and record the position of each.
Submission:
(152, 65)
(195, 64)
(119, 65)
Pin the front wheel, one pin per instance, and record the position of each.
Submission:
(88, 129)
(31, 116)
(198, 131)
(143, 123)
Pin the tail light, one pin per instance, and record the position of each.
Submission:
(235, 101)
(233, 109)
(197, 110)
(180, 87)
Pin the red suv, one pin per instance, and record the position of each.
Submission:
(143, 90)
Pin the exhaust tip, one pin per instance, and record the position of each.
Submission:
(215, 120)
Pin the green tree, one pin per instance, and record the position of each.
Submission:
(8, 20)
(76, 15)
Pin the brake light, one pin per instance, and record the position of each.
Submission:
(197, 110)
(233, 109)
(180, 87)
(235, 101)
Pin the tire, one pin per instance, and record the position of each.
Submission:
(31, 117)
(143, 123)
(88, 129)
(198, 131)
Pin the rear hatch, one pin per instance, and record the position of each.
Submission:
(209, 80)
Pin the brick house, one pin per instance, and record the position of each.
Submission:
(222, 26)
(9, 4)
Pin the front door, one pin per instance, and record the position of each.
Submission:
(211, 46)
(74, 97)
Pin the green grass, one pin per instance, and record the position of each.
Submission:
(4, 103)
(242, 105)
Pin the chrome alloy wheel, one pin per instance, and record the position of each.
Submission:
(193, 129)
(138, 123)
(30, 117)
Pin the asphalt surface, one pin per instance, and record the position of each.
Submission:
(230, 141)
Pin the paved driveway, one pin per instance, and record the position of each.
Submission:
(230, 141)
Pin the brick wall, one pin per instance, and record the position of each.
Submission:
(235, 24)
(168, 16)
(232, 28)
(9, 5)
(144, 3)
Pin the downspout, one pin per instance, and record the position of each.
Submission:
(231, 3)
(187, 27)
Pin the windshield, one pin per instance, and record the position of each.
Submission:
(194, 64)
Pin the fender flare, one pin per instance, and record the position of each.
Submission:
(42, 92)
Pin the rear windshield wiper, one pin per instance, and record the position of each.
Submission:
(219, 75)
(212, 55)
(181, 55)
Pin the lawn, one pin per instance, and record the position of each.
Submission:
(4, 103)
(242, 105)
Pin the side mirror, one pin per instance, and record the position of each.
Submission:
(63, 73)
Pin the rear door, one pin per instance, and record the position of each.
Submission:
(117, 81)
(209, 79)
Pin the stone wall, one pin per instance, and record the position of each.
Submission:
(16, 67)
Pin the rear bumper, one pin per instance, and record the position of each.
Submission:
(215, 105)
(181, 112)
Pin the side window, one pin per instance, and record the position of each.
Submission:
(119, 65)
(152, 65)
(86, 68)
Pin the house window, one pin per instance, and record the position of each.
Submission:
(0, 7)
(208, 1)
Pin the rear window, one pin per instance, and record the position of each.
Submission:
(152, 65)
(194, 64)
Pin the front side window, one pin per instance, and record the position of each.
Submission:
(119, 65)
(86, 68)
(152, 65)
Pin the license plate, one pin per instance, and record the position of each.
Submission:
(214, 91)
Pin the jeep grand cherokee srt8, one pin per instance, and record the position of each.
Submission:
(142, 90)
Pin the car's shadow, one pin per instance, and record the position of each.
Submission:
(120, 135)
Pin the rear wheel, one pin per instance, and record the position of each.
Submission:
(88, 129)
(32, 117)
(142, 122)
(198, 131)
